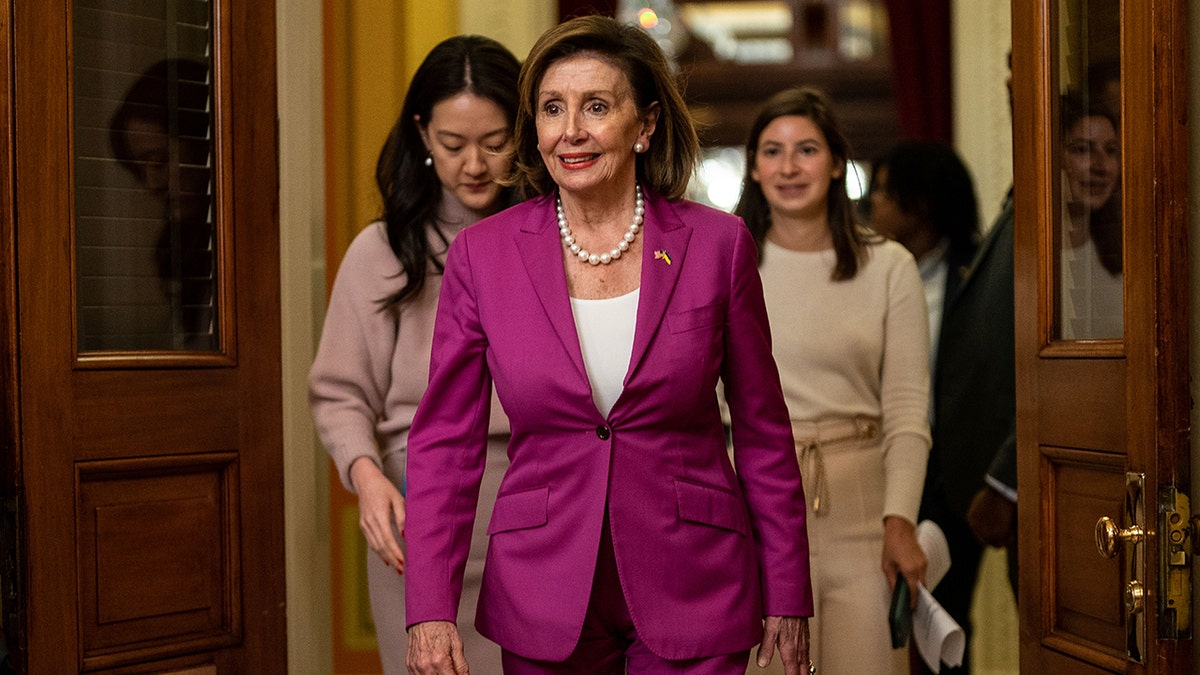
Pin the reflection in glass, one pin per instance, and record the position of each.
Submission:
(1091, 222)
(144, 184)
(1088, 237)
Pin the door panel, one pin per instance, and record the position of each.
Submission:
(1075, 398)
(145, 591)
(149, 458)
(1082, 487)
(1102, 368)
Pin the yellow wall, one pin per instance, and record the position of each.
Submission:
(372, 48)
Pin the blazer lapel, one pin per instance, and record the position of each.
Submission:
(541, 251)
(664, 253)
(982, 252)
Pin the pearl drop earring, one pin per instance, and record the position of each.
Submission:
(638, 147)
(429, 159)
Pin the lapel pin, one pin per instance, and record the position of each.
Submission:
(662, 255)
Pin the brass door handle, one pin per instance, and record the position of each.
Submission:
(1135, 598)
(1110, 537)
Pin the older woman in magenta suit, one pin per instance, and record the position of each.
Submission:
(605, 311)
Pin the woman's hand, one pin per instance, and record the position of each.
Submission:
(435, 648)
(790, 633)
(380, 511)
(903, 555)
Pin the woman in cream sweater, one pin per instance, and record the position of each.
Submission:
(851, 338)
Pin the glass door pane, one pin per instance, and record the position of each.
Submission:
(146, 263)
(1088, 237)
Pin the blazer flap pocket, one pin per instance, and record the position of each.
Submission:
(711, 506)
(520, 510)
(691, 319)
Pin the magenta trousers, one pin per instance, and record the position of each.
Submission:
(609, 644)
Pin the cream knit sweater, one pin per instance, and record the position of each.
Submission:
(856, 348)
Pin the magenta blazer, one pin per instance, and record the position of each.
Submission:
(703, 552)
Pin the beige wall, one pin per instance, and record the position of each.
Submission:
(516, 25)
(302, 232)
(981, 34)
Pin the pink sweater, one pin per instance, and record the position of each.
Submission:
(372, 366)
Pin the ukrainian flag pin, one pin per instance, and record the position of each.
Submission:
(662, 255)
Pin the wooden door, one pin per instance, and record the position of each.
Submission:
(1103, 402)
(141, 339)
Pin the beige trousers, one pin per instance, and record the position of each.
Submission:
(387, 587)
(842, 465)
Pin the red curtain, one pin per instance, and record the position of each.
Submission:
(920, 33)
(571, 8)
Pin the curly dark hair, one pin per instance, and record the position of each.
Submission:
(927, 179)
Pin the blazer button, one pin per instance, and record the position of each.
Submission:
(603, 432)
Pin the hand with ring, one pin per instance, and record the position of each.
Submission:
(789, 636)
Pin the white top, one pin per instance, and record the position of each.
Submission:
(1091, 295)
(856, 348)
(605, 330)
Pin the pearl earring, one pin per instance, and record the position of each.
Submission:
(638, 147)
(429, 159)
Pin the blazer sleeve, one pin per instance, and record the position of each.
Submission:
(447, 449)
(763, 449)
(1003, 471)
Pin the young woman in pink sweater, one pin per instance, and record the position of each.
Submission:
(437, 173)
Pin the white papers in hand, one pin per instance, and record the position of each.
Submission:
(937, 635)
(932, 541)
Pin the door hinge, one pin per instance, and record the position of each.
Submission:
(1175, 548)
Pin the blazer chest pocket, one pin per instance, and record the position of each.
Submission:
(520, 510)
(709, 505)
(692, 346)
(694, 319)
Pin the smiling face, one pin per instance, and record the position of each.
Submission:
(468, 137)
(795, 167)
(1091, 161)
(587, 124)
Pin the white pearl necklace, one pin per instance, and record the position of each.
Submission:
(639, 210)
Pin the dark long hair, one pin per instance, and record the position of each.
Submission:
(927, 179)
(411, 191)
(850, 239)
(667, 165)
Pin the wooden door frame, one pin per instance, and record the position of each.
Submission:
(1154, 134)
(11, 615)
(49, 639)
